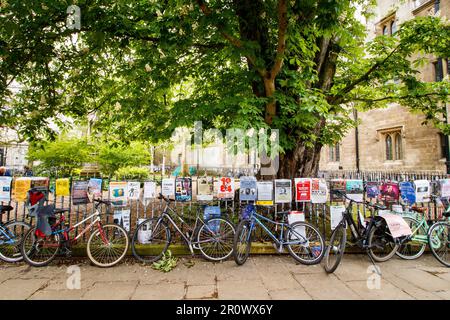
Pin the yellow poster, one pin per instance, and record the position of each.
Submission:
(62, 187)
(21, 187)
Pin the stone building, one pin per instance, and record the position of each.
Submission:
(393, 138)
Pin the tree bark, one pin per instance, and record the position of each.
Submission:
(300, 162)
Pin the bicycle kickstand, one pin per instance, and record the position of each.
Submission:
(377, 269)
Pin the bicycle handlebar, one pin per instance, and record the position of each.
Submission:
(367, 203)
(161, 197)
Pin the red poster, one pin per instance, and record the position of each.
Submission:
(302, 189)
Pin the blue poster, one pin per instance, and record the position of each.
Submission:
(212, 212)
(247, 189)
(372, 190)
(407, 192)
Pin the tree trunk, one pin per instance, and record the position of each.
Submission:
(300, 162)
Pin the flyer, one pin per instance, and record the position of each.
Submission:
(21, 187)
(62, 187)
(422, 190)
(95, 187)
(122, 217)
(183, 189)
(302, 189)
(134, 190)
(319, 191)
(226, 188)
(118, 192)
(79, 192)
(372, 190)
(389, 192)
(338, 185)
(205, 189)
(247, 189)
(40, 182)
(354, 190)
(149, 190)
(444, 186)
(265, 193)
(336, 213)
(211, 212)
(168, 187)
(407, 192)
(145, 230)
(397, 225)
(296, 216)
(283, 191)
(5, 188)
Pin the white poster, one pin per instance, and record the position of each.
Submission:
(5, 188)
(265, 190)
(422, 190)
(126, 219)
(445, 188)
(226, 188)
(134, 190)
(319, 191)
(293, 217)
(149, 190)
(205, 189)
(144, 232)
(168, 187)
(336, 213)
(283, 191)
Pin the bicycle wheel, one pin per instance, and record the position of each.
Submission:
(305, 243)
(415, 247)
(439, 241)
(381, 244)
(215, 239)
(335, 249)
(39, 251)
(11, 236)
(107, 245)
(150, 240)
(242, 242)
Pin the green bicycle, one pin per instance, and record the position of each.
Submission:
(424, 233)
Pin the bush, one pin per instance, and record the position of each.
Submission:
(132, 173)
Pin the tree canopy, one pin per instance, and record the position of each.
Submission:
(139, 69)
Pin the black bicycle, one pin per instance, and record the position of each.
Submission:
(152, 237)
(372, 235)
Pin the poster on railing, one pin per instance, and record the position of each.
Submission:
(372, 190)
(149, 190)
(283, 191)
(5, 188)
(337, 185)
(21, 187)
(79, 192)
(212, 212)
(134, 190)
(302, 189)
(95, 187)
(389, 192)
(444, 188)
(205, 189)
(297, 216)
(145, 230)
(422, 190)
(168, 187)
(226, 188)
(62, 187)
(40, 182)
(118, 192)
(265, 193)
(407, 192)
(247, 189)
(354, 190)
(122, 217)
(183, 189)
(319, 190)
(336, 213)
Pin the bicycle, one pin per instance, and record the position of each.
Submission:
(304, 241)
(425, 232)
(373, 236)
(212, 237)
(11, 234)
(106, 246)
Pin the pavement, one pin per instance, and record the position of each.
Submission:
(262, 277)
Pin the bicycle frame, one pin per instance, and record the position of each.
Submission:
(6, 233)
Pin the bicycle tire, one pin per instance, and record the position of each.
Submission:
(385, 238)
(409, 251)
(227, 249)
(242, 240)
(28, 253)
(15, 255)
(339, 231)
(111, 256)
(446, 239)
(145, 258)
(312, 251)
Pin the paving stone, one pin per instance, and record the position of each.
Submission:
(167, 291)
(58, 294)
(201, 292)
(19, 289)
(386, 291)
(423, 279)
(242, 290)
(325, 286)
(111, 290)
(290, 294)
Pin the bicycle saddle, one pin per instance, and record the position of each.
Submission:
(4, 209)
(419, 210)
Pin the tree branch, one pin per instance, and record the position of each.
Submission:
(282, 31)
(430, 94)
